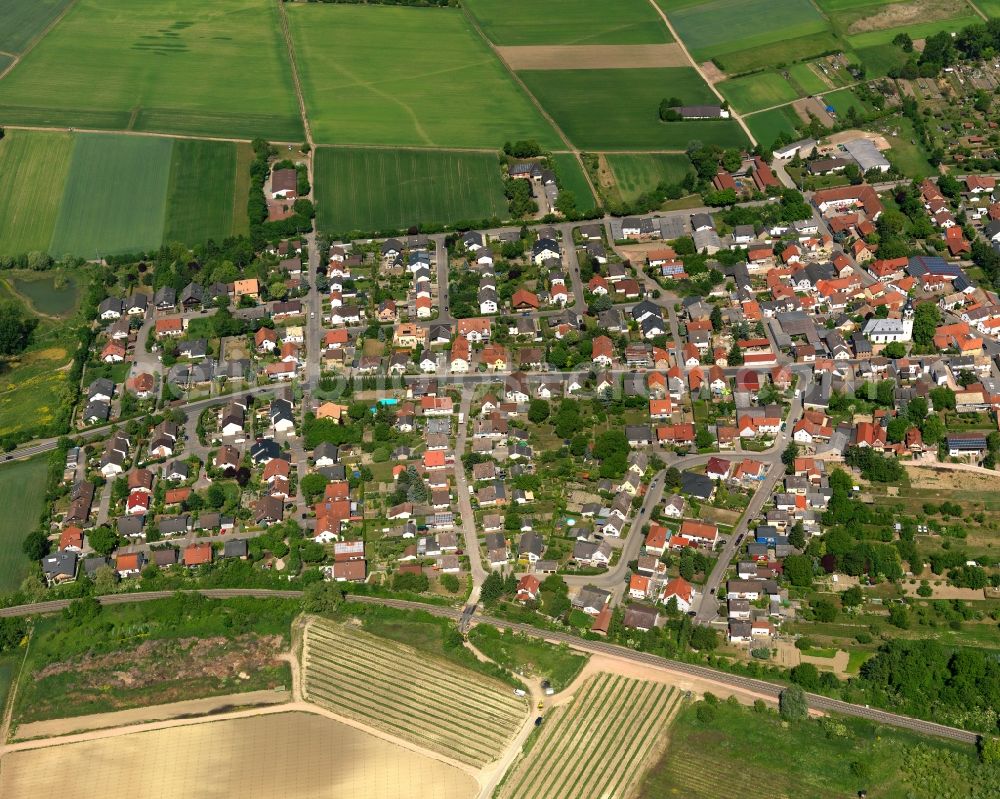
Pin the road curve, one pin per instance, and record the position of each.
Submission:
(597, 647)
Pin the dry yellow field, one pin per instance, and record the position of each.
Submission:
(278, 755)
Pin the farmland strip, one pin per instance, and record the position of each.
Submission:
(635, 756)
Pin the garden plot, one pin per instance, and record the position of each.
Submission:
(422, 699)
(597, 745)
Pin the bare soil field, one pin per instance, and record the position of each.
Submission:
(176, 710)
(593, 56)
(273, 755)
(810, 105)
(711, 72)
(898, 15)
(952, 479)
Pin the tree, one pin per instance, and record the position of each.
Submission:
(538, 411)
(825, 610)
(704, 639)
(852, 597)
(35, 545)
(450, 583)
(799, 570)
(916, 410)
(943, 398)
(894, 349)
(806, 675)
(103, 540)
(933, 429)
(797, 536)
(716, 317)
(15, 329)
(492, 588)
(322, 597)
(215, 497)
(705, 712)
(672, 478)
(789, 455)
(989, 749)
(313, 485)
(899, 616)
(926, 318)
(896, 431)
(792, 703)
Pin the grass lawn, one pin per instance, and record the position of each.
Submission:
(41, 161)
(572, 179)
(52, 293)
(844, 99)
(529, 656)
(163, 65)
(205, 184)
(758, 91)
(33, 388)
(9, 665)
(714, 28)
(806, 79)
(23, 20)
(880, 58)
(583, 100)
(22, 493)
(768, 125)
(527, 22)
(637, 174)
(375, 189)
(909, 157)
(705, 760)
(115, 195)
(411, 76)
(990, 8)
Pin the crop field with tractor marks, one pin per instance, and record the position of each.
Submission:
(598, 744)
(395, 688)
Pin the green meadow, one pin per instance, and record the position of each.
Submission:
(527, 22)
(618, 109)
(757, 92)
(406, 76)
(768, 125)
(369, 189)
(22, 493)
(571, 178)
(637, 174)
(174, 66)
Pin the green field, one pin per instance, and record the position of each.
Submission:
(768, 125)
(758, 91)
(115, 195)
(582, 101)
(177, 66)
(880, 58)
(23, 20)
(719, 27)
(526, 22)
(529, 656)
(805, 77)
(920, 30)
(409, 76)
(780, 53)
(375, 189)
(22, 493)
(50, 293)
(572, 179)
(820, 760)
(638, 174)
(842, 100)
(204, 199)
(33, 169)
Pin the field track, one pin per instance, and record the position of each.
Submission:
(816, 701)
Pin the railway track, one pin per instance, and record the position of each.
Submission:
(466, 618)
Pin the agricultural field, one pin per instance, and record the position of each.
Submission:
(177, 66)
(22, 493)
(768, 125)
(383, 189)
(432, 702)
(23, 20)
(865, 23)
(844, 99)
(273, 754)
(775, 31)
(757, 92)
(437, 85)
(630, 97)
(108, 193)
(40, 160)
(635, 175)
(596, 745)
(820, 759)
(527, 22)
(207, 192)
(572, 179)
(115, 195)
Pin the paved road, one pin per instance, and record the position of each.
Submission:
(597, 647)
(573, 266)
(465, 504)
